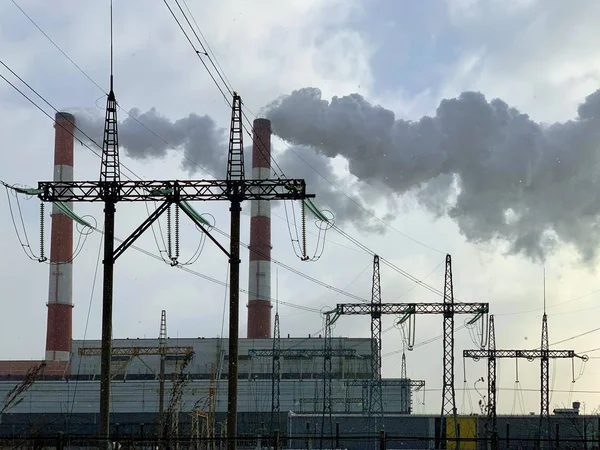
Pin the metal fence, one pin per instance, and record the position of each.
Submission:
(276, 441)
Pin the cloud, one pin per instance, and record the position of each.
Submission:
(494, 171)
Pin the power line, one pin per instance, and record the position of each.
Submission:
(285, 143)
(595, 291)
(356, 242)
(212, 54)
(84, 73)
(295, 271)
(201, 44)
(198, 54)
(576, 336)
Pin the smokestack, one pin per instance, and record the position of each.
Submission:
(60, 292)
(259, 284)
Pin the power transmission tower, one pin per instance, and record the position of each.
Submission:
(403, 366)
(110, 190)
(162, 345)
(448, 394)
(544, 375)
(447, 309)
(276, 372)
(375, 395)
(375, 400)
(491, 407)
(543, 354)
(407, 387)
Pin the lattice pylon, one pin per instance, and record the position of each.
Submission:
(491, 407)
(110, 171)
(448, 398)
(235, 157)
(544, 380)
(375, 391)
(276, 375)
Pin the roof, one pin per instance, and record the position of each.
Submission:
(20, 368)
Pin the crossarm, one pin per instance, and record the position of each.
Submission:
(411, 308)
(179, 190)
(527, 354)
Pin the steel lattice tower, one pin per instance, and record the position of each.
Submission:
(448, 396)
(376, 402)
(543, 354)
(110, 170)
(276, 374)
(544, 373)
(235, 156)
(403, 367)
(162, 346)
(544, 379)
(491, 406)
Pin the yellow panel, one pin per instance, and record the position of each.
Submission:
(468, 430)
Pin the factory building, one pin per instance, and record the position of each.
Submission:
(75, 394)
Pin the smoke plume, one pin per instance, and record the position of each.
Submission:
(494, 171)
(149, 135)
(204, 146)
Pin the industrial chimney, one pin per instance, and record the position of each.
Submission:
(259, 283)
(60, 292)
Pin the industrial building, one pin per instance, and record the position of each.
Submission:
(71, 400)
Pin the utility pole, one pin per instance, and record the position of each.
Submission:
(408, 310)
(543, 354)
(111, 190)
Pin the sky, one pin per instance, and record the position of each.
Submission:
(458, 126)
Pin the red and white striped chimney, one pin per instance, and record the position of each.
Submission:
(259, 283)
(60, 292)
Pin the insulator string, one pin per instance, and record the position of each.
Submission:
(304, 255)
(169, 240)
(42, 257)
(176, 257)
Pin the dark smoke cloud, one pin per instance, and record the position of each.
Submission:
(494, 171)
